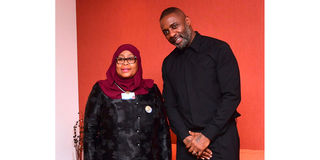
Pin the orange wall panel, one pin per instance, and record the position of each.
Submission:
(104, 25)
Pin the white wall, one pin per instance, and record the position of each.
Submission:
(27, 80)
(67, 106)
(292, 72)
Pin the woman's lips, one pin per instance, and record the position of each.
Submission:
(125, 70)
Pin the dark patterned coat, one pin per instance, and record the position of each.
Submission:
(116, 129)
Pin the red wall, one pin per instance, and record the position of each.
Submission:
(104, 25)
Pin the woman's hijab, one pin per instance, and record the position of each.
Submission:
(134, 84)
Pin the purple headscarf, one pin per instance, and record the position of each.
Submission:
(135, 84)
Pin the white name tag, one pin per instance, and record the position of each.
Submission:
(128, 95)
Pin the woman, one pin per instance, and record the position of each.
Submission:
(124, 117)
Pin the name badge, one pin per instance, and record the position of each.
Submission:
(128, 95)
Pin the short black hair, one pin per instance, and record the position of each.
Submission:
(171, 10)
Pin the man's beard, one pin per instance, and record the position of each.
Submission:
(186, 38)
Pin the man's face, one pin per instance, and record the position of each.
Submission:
(176, 28)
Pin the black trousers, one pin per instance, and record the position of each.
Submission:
(224, 147)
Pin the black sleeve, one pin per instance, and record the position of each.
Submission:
(170, 102)
(164, 134)
(229, 81)
(91, 123)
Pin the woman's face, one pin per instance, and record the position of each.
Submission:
(126, 64)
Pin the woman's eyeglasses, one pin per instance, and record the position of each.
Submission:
(130, 60)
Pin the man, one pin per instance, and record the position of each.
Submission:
(201, 90)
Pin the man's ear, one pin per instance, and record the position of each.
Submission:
(188, 21)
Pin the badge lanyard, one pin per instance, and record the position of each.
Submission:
(126, 95)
